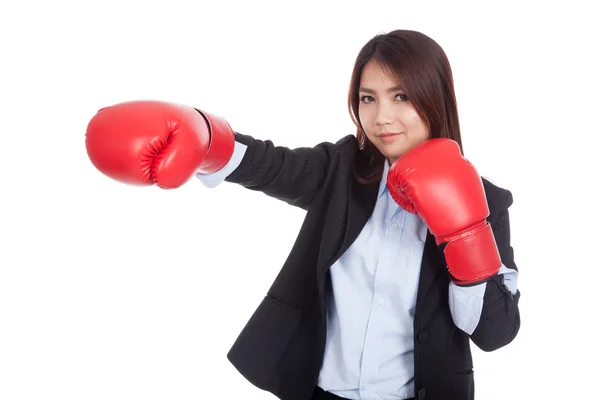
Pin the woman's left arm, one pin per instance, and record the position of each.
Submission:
(489, 311)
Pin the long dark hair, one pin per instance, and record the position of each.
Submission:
(422, 66)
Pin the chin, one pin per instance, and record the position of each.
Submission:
(393, 154)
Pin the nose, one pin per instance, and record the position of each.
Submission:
(384, 115)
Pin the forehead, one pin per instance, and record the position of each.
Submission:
(376, 77)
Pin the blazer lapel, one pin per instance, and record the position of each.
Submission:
(431, 265)
(359, 207)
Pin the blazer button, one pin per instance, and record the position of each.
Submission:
(422, 337)
(422, 394)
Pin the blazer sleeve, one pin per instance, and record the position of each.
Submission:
(500, 319)
(291, 175)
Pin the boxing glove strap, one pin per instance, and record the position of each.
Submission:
(473, 258)
(222, 143)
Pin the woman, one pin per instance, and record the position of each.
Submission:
(404, 256)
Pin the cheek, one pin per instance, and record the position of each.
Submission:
(413, 119)
(363, 117)
(416, 124)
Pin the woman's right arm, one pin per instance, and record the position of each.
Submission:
(291, 175)
(164, 144)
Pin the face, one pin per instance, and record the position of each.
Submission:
(386, 114)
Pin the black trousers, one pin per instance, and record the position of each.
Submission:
(320, 394)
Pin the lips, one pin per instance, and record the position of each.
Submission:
(388, 137)
(386, 134)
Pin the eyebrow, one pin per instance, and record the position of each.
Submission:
(392, 89)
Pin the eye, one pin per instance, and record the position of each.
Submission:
(370, 99)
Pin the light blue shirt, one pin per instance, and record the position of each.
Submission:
(369, 348)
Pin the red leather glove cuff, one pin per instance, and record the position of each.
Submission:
(222, 143)
(473, 258)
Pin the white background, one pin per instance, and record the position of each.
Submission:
(110, 291)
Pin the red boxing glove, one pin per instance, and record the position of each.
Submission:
(434, 181)
(153, 142)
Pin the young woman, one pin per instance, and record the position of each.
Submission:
(404, 256)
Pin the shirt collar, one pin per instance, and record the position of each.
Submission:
(383, 182)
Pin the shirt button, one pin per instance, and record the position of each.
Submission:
(380, 302)
(394, 226)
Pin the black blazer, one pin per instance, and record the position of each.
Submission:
(281, 348)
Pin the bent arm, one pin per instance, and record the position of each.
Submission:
(466, 302)
(500, 318)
